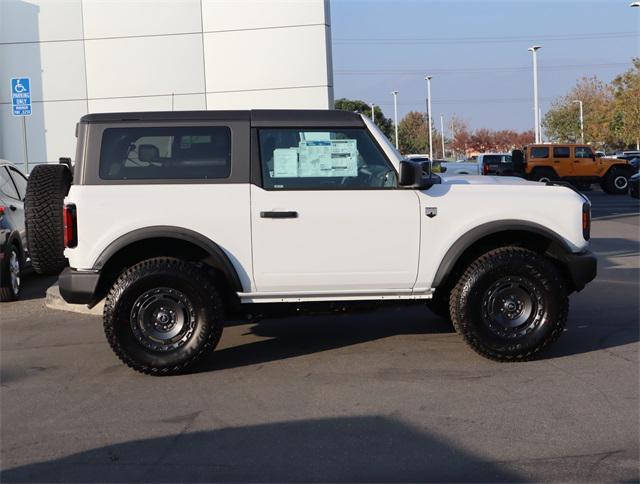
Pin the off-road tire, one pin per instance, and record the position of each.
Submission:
(542, 327)
(543, 175)
(46, 189)
(611, 182)
(175, 274)
(7, 292)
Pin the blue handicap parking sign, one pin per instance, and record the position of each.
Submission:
(21, 96)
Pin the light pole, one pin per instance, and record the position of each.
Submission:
(373, 112)
(428, 79)
(395, 114)
(636, 4)
(581, 121)
(536, 109)
(442, 134)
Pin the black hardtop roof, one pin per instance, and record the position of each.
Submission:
(257, 117)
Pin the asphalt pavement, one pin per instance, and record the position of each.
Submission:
(393, 395)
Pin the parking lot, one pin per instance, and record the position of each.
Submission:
(393, 395)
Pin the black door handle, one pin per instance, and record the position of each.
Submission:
(13, 208)
(289, 214)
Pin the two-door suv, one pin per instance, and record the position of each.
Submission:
(183, 220)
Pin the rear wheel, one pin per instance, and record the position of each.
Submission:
(543, 175)
(162, 315)
(510, 304)
(11, 274)
(616, 181)
(46, 189)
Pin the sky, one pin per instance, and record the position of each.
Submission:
(476, 51)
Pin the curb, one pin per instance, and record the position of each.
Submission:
(54, 301)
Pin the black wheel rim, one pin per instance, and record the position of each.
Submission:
(512, 307)
(162, 319)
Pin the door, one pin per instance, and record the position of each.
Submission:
(562, 161)
(328, 217)
(14, 186)
(584, 164)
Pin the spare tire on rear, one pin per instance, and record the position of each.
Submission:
(46, 189)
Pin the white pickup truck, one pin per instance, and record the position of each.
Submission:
(183, 220)
(452, 168)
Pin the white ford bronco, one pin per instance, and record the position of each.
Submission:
(183, 220)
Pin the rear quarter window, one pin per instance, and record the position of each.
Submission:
(165, 153)
(540, 152)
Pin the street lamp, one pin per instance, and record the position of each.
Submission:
(428, 79)
(581, 121)
(395, 114)
(536, 109)
(442, 134)
(634, 4)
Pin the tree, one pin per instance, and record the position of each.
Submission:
(562, 121)
(461, 137)
(625, 122)
(385, 124)
(412, 133)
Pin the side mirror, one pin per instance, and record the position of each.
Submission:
(412, 175)
(148, 153)
(517, 158)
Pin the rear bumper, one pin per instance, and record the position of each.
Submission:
(582, 268)
(78, 287)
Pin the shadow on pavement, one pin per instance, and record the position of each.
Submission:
(302, 335)
(332, 449)
(35, 286)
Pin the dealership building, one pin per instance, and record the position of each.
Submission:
(88, 56)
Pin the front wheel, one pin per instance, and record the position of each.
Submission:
(162, 315)
(510, 304)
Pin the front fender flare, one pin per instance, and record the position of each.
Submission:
(474, 235)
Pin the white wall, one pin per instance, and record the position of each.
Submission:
(132, 55)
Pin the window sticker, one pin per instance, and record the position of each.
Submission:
(344, 157)
(285, 163)
(315, 158)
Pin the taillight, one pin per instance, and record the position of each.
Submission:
(586, 220)
(70, 225)
(2, 210)
(485, 169)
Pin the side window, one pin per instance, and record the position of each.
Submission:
(540, 152)
(164, 153)
(6, 185)
(310, 159)
(507, 159)
(584, 152)
(561, 152)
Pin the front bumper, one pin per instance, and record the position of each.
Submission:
(78, 287)
(582, 268)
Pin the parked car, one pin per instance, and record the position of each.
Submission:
(500, 164)
(185, 219)
(13, 247)
(459, 167)
(633, 185)
(626, 154)
(576, 164)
